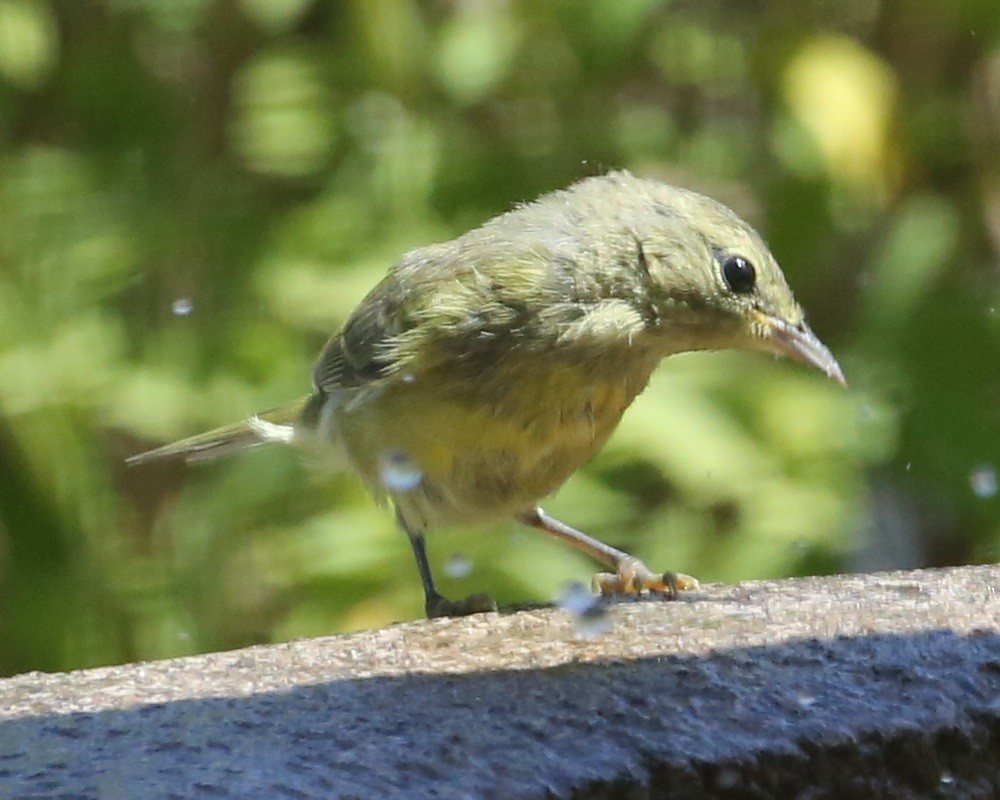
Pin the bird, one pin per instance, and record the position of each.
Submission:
(481, 372)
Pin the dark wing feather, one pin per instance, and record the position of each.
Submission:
(459, 300)
(357, 354)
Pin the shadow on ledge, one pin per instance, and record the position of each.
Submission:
(901, 716)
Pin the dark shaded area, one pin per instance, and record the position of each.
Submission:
(905, 716)
(861, 686)
(40, 582)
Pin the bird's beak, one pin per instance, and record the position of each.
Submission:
(800, 343)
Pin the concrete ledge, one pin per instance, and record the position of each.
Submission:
(857, 686)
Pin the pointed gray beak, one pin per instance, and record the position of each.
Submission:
(800, 343)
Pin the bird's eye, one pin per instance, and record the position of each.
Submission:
(739, 274)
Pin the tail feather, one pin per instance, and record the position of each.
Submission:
(275, 425)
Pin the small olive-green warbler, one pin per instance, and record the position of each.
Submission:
(482, 372)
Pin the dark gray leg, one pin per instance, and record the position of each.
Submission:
(435, 605)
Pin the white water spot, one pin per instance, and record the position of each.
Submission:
(182, 306)
(589, 613)
(459, 566)
(398, 473)
(983, 480)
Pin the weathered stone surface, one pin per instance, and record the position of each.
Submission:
(859, 686)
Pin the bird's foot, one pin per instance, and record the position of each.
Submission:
(438, 606)
(634, 577)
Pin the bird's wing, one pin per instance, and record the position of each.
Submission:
(356, 355)
(446, 302)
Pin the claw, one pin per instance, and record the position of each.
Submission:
(634, 577)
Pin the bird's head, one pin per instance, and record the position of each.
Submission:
(714, 283)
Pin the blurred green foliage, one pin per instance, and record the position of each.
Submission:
(194, 194)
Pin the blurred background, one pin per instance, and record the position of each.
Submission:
(194, 194)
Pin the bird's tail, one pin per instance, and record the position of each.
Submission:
(275, 425)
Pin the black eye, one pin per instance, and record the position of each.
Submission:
(739, 274)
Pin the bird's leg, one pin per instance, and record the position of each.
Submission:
(436, 605)
(630, 576)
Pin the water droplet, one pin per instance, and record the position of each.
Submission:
(398, 473)
(575, 599)
(409, 377)
(590, 616)
(983, 480)
(908, 465)
(182, 306)
(946, 778)
(458, 566)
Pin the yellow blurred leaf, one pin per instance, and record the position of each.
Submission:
(29, 42)
(844, 96)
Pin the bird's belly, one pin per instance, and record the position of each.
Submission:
(470, 461)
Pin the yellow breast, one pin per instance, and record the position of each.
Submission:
(472, 455)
